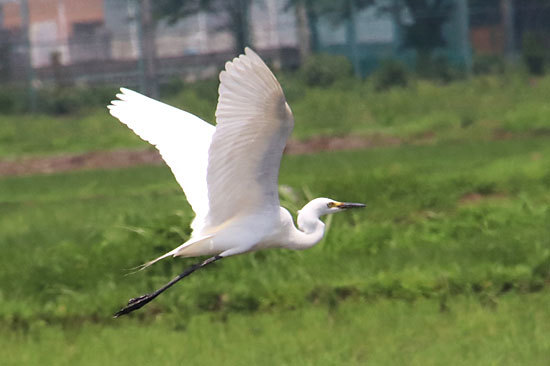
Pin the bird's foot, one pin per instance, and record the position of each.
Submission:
(134, 304)
(136, 299)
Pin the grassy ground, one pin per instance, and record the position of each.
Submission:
(382, 332)
(449, 263)
(442, 220)
(481, 108)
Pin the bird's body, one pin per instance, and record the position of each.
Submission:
(229, 173)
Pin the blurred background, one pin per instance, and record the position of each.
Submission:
(436, 113)
(145, 43)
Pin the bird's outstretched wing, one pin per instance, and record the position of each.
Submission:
(181, 138)
(253, 124)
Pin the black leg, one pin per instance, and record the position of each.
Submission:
(140, 301)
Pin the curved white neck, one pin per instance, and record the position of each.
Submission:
(310, 230)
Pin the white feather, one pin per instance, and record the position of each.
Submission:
(253, 125)
(229, 173)
(181, 138)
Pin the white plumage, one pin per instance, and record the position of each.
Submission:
(229, 173)
(182, 139)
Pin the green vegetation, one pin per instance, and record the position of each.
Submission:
(41, 134)
(442, 220)
(323, 70)
(483, 108)
(449, 227)
(381, 332)
(449, 263)
(57, 101)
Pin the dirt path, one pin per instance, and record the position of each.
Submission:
(127, 158)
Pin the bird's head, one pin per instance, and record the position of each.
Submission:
(324, 206)
(308, 218)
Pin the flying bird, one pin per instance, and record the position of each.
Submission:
(228, 172)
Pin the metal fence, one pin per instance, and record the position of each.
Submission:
(66, 42)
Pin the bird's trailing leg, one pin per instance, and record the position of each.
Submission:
(140, 301)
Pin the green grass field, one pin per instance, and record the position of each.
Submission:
(421, 248)
(448, 264)
(477, 109)
(381, 332)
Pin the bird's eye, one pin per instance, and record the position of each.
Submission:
(331, 204)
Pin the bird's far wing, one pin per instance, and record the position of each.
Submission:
(181, 138)
(253, 124)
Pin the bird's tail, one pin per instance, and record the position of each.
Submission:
(174, 252)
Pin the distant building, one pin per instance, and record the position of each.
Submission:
(70, 31)
(59, 28)
(75, 33)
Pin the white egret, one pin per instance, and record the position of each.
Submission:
(229, 173)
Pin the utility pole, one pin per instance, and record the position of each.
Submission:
(147, 58)
(507, 10)
(304, 31)
(395, 9)
(25, 27)
(351, 35)
(274, 42)
(464, 34)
